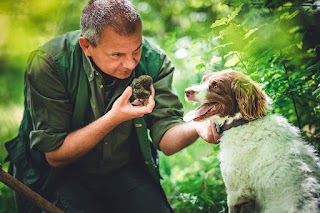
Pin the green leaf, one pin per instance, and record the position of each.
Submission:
(230, 53)
(200, 66)
(288, 16)
(232, 62)
(215, 59)
(235, 13)
(219, 22)
(316, 92)
(228, 19)
(248, 34)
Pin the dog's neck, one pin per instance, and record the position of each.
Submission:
(225, 123)
(234, 123)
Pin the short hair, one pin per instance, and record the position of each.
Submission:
(118, 14)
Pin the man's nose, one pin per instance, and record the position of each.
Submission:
(129, 63)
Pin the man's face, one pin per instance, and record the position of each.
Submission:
(116, 55)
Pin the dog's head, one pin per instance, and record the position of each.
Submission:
(226, 93)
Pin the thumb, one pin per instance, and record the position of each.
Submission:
(216, 136)
(126, 94)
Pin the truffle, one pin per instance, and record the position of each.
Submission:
(141, 87)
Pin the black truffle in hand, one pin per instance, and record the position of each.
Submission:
(141, 87)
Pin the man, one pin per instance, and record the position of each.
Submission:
(87, 144)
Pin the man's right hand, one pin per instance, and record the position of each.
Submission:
(81, 141)
(123, 110)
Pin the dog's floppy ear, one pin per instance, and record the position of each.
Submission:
(250, 97)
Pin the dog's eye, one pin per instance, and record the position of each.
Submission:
(213, 86)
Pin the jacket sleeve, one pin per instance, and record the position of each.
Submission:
(168, 111)
(50, 108)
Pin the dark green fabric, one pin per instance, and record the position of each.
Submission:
(127, 190)
(70, 70)
(50, 67)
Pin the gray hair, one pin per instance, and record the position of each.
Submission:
(118, 14)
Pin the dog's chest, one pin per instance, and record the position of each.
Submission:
(236, 146)
(231, 156)
(236, 156)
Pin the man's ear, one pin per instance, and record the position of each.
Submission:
(85, 45)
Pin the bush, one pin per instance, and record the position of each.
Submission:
(192, 179)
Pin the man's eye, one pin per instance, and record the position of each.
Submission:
(116, 54)
(137, 51)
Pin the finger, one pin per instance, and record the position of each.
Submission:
(212, 130)
(150, 100)
(216, 136)
(149, 103)
(153, 92)
(137, 102)
(126, 95)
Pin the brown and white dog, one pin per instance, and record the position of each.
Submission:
(266, 166)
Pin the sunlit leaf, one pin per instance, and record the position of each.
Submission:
(316, 92)
(235, 13)
(230, 53)
(221, 46)
(219, 22)
(299, 45)
(288, 4)
(232, 62)
(288, 16)
(215, 59)
(248, 34)
(200, 66)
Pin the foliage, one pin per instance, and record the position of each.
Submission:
(9, 116)
(194, 185)
(277, 43)
(279, 55)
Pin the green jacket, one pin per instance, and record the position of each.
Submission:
(67, 59)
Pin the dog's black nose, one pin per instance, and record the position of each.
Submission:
(188, 92)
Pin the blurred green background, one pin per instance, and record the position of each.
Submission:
(277, 43)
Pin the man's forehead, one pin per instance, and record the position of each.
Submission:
(112, 40)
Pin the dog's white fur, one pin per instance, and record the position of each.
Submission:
(266, 166)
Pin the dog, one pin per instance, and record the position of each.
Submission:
(265, 165)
